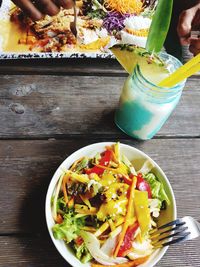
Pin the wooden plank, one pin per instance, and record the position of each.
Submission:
(39, 251)
(29, 251)
(26, 168)
(34, 106)
(62, 66)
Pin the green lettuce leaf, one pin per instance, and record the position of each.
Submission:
(81, 165)
(157, 188)
(69, 228)
(82, 253)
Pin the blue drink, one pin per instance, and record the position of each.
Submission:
(144, 107)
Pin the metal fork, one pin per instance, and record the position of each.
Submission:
(174, 232)
(73, 23)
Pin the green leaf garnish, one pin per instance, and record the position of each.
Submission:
(159, 26)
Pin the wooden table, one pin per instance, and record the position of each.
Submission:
(49, 109)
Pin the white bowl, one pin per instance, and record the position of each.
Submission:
(138, 158)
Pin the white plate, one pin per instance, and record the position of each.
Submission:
(4, 14)
(138, 158)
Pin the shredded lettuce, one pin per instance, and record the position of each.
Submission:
(69, 228)
(97, 158)
(82, 253)
(157, 188)
(147, 167)
(129, 165)
(81, 165)
(61, 205)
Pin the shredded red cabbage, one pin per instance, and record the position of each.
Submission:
(114, 21)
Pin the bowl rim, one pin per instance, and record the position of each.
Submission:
(159, 253)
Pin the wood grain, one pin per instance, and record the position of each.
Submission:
(70, 105)
(26, 168)
(34, 106)
(39, 251)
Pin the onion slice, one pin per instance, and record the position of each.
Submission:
(93, 245)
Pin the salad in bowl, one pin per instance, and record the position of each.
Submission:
(102, 204)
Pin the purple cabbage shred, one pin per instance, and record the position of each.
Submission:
(114, 21)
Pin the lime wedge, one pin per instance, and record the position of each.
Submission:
(152, 66)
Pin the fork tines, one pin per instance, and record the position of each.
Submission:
(170, 233)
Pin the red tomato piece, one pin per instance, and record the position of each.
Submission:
(128, 239)
(143, 185)
(104, 161)
(79, 240)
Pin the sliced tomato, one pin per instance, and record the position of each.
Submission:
(128, 239)
(127, 180)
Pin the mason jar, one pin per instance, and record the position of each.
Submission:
(144, 107)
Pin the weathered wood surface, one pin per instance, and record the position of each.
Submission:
(26, 168)
(34, 106)
(39, 251)
(50, 108)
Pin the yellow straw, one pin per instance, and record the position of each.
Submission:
(190, 68)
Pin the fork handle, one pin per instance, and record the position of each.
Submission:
(198, 225)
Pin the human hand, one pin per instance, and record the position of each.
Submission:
(190, 20)
(36, 9)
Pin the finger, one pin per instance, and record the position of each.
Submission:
(64, 3)
(186, 20)
(47, 7)
(29, 9)
(185, 23)
(195, 46)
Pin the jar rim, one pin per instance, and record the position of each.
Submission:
(158, 88)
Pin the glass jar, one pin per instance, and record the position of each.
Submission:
(144, 107)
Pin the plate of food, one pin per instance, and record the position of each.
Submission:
(102, 203)
(100, 25)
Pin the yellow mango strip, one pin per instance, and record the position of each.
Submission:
(94, 176)
(142, 211)
(83, 209)
(102, 229)
(119, 170)
(86, 212)
(128, 216)
(116, 231)
(65, 179)
(120, 221)
(138, 238)
(117, 151)
(75, 163)
(82, 178)
(117, 226)
(133, 263)
(112, 225)
(88, 228)
(85, 200)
